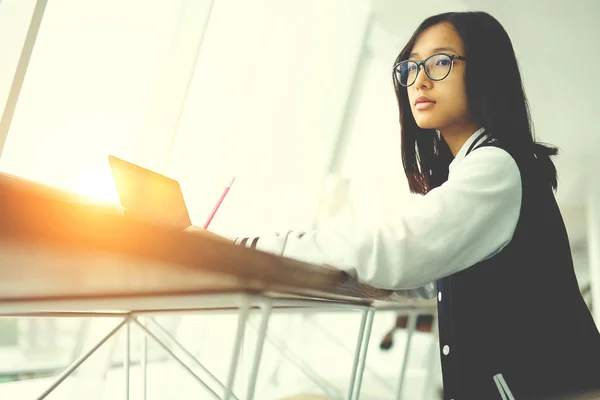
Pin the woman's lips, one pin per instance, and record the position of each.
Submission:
(424, 105)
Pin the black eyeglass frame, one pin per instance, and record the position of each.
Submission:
(422, 63)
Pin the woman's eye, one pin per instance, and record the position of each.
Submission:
(443, 62)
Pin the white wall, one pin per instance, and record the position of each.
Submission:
(265, 104)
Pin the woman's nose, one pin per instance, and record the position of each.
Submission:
(422, 78)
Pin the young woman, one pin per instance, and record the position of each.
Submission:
(484, 233)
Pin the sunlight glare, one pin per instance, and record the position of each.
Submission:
(97, 183)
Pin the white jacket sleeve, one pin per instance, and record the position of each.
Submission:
(468, 219)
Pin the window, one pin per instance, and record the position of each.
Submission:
(88, 88)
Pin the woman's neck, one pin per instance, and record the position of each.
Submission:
(455, 138)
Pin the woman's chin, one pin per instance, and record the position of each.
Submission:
(425, 120)
(427, 124)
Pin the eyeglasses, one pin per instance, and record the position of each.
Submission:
(436, 66)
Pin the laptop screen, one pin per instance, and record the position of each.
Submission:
(149, 195)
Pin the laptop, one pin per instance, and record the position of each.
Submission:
(145, 194)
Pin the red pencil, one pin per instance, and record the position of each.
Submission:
(214, 211)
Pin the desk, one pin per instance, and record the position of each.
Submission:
(60, 256)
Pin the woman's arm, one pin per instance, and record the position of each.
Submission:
(467, 220)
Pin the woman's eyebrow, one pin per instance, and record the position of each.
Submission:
(436, 50)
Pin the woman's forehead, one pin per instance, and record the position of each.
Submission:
(441, 37)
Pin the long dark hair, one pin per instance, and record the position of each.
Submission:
(496, 101)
